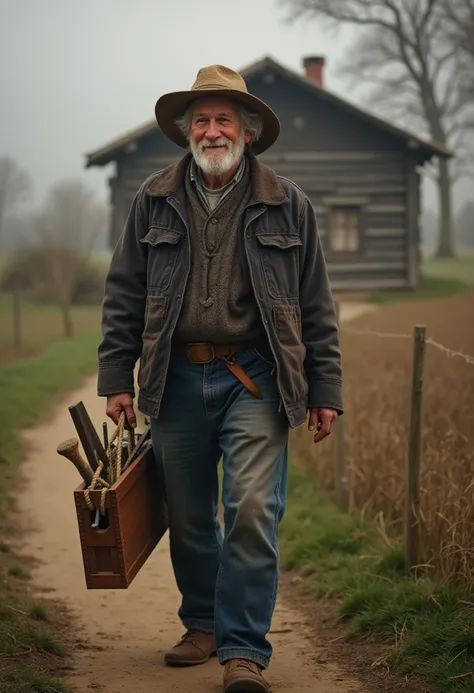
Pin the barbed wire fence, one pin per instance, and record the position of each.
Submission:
(413, 471)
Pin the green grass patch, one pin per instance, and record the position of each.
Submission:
(40, 325)
(460, 268)
(18, 571)
(29, 386)
(33, 682)
(431, 287)
(431, 630)
(38, 612)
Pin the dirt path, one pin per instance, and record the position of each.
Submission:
(130, 630)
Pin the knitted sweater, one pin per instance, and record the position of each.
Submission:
(219, 305)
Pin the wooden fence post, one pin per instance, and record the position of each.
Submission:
(412, 536)
(17, 319)
(340, 451)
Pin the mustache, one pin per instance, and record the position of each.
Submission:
(221, 142)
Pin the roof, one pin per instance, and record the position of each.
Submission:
(108, 152)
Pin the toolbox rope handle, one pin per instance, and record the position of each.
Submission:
(114, 455)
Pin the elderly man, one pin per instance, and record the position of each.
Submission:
(218, 285)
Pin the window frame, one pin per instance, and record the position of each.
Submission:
(342, 204)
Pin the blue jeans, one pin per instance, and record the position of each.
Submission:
(228, 583)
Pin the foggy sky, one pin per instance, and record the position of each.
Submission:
(75, 75)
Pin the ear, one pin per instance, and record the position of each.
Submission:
(247, 137)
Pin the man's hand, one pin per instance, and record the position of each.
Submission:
(322, 421)
(118, 403)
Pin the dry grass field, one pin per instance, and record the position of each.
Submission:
(378, 374)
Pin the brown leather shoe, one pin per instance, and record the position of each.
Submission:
(195, 647)
(244, 676)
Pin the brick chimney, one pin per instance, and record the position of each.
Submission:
(314, 68)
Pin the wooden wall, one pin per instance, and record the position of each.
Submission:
(333, 156)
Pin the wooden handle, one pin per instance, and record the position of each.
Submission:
(70, 450)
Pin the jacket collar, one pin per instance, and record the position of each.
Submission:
(266, 188)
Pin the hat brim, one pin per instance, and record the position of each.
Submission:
(171, 106)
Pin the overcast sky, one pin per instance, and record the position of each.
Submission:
(75, 75)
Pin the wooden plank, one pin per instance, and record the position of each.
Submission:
(292, 156)
(364, 266)
(367, 284)
(386, 209)
(385, 233)
(412, 224)
(345, 201)
(389, 255)
(360, 189)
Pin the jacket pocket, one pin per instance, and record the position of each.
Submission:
(287, 321)
(155, 316)
(163, 249)
(279, 255)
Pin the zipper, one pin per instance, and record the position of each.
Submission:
(257, 298)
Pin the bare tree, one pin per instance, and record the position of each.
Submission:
(15, 188)
(402, 50)
(459, 30)
(68, 229)
(459, 16)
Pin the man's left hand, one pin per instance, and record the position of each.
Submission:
(321, 420)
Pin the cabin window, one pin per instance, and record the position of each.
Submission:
(344, 229)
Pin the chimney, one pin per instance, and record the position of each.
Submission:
(314, 68)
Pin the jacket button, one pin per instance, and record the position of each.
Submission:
(213, 220)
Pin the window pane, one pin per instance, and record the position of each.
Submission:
(344, 229)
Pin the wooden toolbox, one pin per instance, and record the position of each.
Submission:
(135, 522)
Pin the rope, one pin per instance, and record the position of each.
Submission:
(467, 358)
(114, 466)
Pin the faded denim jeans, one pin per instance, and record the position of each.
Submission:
(228, 582)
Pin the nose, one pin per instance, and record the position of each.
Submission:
(212, 130)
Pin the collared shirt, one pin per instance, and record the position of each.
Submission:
(211, 198)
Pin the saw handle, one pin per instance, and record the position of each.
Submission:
(70, 450)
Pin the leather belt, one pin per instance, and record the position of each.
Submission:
(205, 352)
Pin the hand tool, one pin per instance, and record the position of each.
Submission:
(88, 435)
(139, 447)
(70, 450)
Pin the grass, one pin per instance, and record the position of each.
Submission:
(460, 268)
(29, 387)
(377, 392)
(440, 279)
(29, 644)
(40, 325)
(429, 628)
(18, 571)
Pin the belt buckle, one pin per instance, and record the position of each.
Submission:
(192, 347)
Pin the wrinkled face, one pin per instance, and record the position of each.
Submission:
(217, 139)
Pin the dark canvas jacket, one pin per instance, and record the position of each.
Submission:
(281, 246)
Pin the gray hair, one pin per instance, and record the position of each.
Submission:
(251, 122)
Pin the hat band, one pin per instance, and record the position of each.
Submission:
(216, 86)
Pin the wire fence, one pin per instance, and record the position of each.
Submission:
(350, 468)
(393, 335)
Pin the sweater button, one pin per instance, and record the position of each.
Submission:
(213, 220)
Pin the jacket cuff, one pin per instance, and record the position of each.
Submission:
(113, 379)
(326, 394)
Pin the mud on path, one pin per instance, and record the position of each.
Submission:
(121, 636)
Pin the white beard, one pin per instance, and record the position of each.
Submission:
(218, 165)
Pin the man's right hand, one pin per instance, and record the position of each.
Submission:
(118, 403)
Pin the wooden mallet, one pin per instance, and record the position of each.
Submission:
(70, 450)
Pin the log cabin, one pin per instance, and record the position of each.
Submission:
(361, 173)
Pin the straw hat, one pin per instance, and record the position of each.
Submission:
(216, 80)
